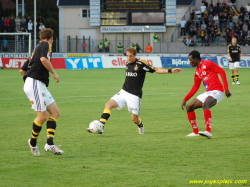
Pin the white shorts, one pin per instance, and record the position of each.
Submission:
(38, 94)
(216, 94)
(124, 98)
(233, 65)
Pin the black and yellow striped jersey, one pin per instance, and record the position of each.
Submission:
(135, 76)
(235, 52)
(34, 68)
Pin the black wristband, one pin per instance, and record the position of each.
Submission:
(169, 70)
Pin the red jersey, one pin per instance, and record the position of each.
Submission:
(207, 71)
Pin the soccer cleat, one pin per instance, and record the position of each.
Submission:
(238, 82)
(141, 129)
(34, 150)
(54, 149)
(233, 83)
(206, 134)
(192, 135)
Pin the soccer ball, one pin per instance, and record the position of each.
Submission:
(95, 127)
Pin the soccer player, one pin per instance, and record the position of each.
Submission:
(131, 92)
(35, 73)
(234, 55)
(206, 71)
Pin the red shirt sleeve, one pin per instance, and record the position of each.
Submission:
(195, 88)
(222, 73)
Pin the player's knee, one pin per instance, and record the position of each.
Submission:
(205, 106)
(189, 108)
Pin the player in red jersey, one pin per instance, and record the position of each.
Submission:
(206, 71)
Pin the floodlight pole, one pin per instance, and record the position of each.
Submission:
(22, 7)
(16, 7)
(34, 23)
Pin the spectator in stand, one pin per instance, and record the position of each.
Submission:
(209, 29)
(241, 25)
(203, 35)
(40, 20)
(138, 47)
(211, 4)
(246, 18)
(188, 25)
(204, 26)
(232, 34)
(212, 35)
(233, 1)
(149, 48)
(184, 40)
(183, 27)
(218, 37)
(248, 7)
(12, 24)
(230, 21)
(220, 9)
(246, 42)
(196, 21)
(5, 44)
(6, 24)
(41, 27)
(237, 31)
(241, 17)
(210, 18)
(206, 41)
(216, 9)
(242, 9)
(192, 14)
(211, 11)
(190, 42)
(23, 22)
(202, 9)
(216, 19)
(18, 23)
(235, 19)
(205, 2)
(30, 26)
(205, 18)
(241, 37)
(2, 24)
(227, 36)
(199, 42)
(230, 4)
(198, 13)
(245, 29)
(223, 21)
(27, 21)
(100, 47)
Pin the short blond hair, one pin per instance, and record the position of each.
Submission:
(132, 50)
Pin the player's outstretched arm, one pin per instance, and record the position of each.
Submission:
(165, 71)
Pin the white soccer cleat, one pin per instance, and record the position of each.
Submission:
(206, 134)
(233, 83)
(192, 135)
(34, 150)
(238, 82)
(54, 149)
(141, 130)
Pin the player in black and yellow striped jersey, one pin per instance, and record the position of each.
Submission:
(234, 55)
(131, 92)
(35, 73)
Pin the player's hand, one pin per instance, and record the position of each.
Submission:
(56, 77)
(230, 59)
(228, 94)
(183, 105)
(177, 70)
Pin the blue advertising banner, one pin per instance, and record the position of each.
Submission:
(84, 63)
(181, 62)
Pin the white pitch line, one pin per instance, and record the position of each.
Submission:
(86, 96)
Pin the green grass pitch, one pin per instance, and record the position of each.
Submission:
(162, 157)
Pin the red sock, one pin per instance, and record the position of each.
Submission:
(192, 120)
(208, 119)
